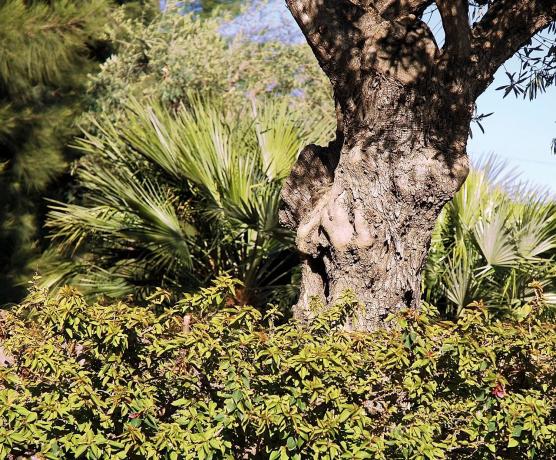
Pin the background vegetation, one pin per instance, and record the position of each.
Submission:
(46, 52)
(174, 55)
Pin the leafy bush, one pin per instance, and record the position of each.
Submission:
(173, 55)
(171, 198)
(206, 378)
(491, 241)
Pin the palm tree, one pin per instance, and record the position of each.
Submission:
(172, 198)
(491, 242)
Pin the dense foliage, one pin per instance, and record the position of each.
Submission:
(174, 55)
(491, 241)
(46, 51)
(216, 209)
(206, 378)
(172, 198)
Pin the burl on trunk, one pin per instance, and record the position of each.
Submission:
(364, 207)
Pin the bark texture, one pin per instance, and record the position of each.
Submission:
(364, 207)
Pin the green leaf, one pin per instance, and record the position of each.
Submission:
(181, 402)
(291, 443)
(516, 432)
(80, 450)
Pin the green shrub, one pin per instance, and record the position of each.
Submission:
(490, 242)
(173, 55)
(208, 379)
(171, 198)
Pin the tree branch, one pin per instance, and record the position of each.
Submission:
(455, 21)
(332, 27)
(505, 28)
(391, 9)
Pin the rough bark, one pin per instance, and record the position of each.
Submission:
(364, 207)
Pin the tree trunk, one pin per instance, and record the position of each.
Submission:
(365, 206)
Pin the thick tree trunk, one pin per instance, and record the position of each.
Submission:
(364, 208)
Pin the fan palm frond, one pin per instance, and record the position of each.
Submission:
(282, 133)
(535, 228)
(182, 195)
(460, 284)
(492, 241)
(493, 237)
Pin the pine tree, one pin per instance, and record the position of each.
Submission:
(47, 48)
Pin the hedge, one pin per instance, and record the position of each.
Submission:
(209, 379)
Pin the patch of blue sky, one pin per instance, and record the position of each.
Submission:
(264, 21)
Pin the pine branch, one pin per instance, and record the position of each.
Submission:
(41, 42)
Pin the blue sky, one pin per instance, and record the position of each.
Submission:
(519, 131)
